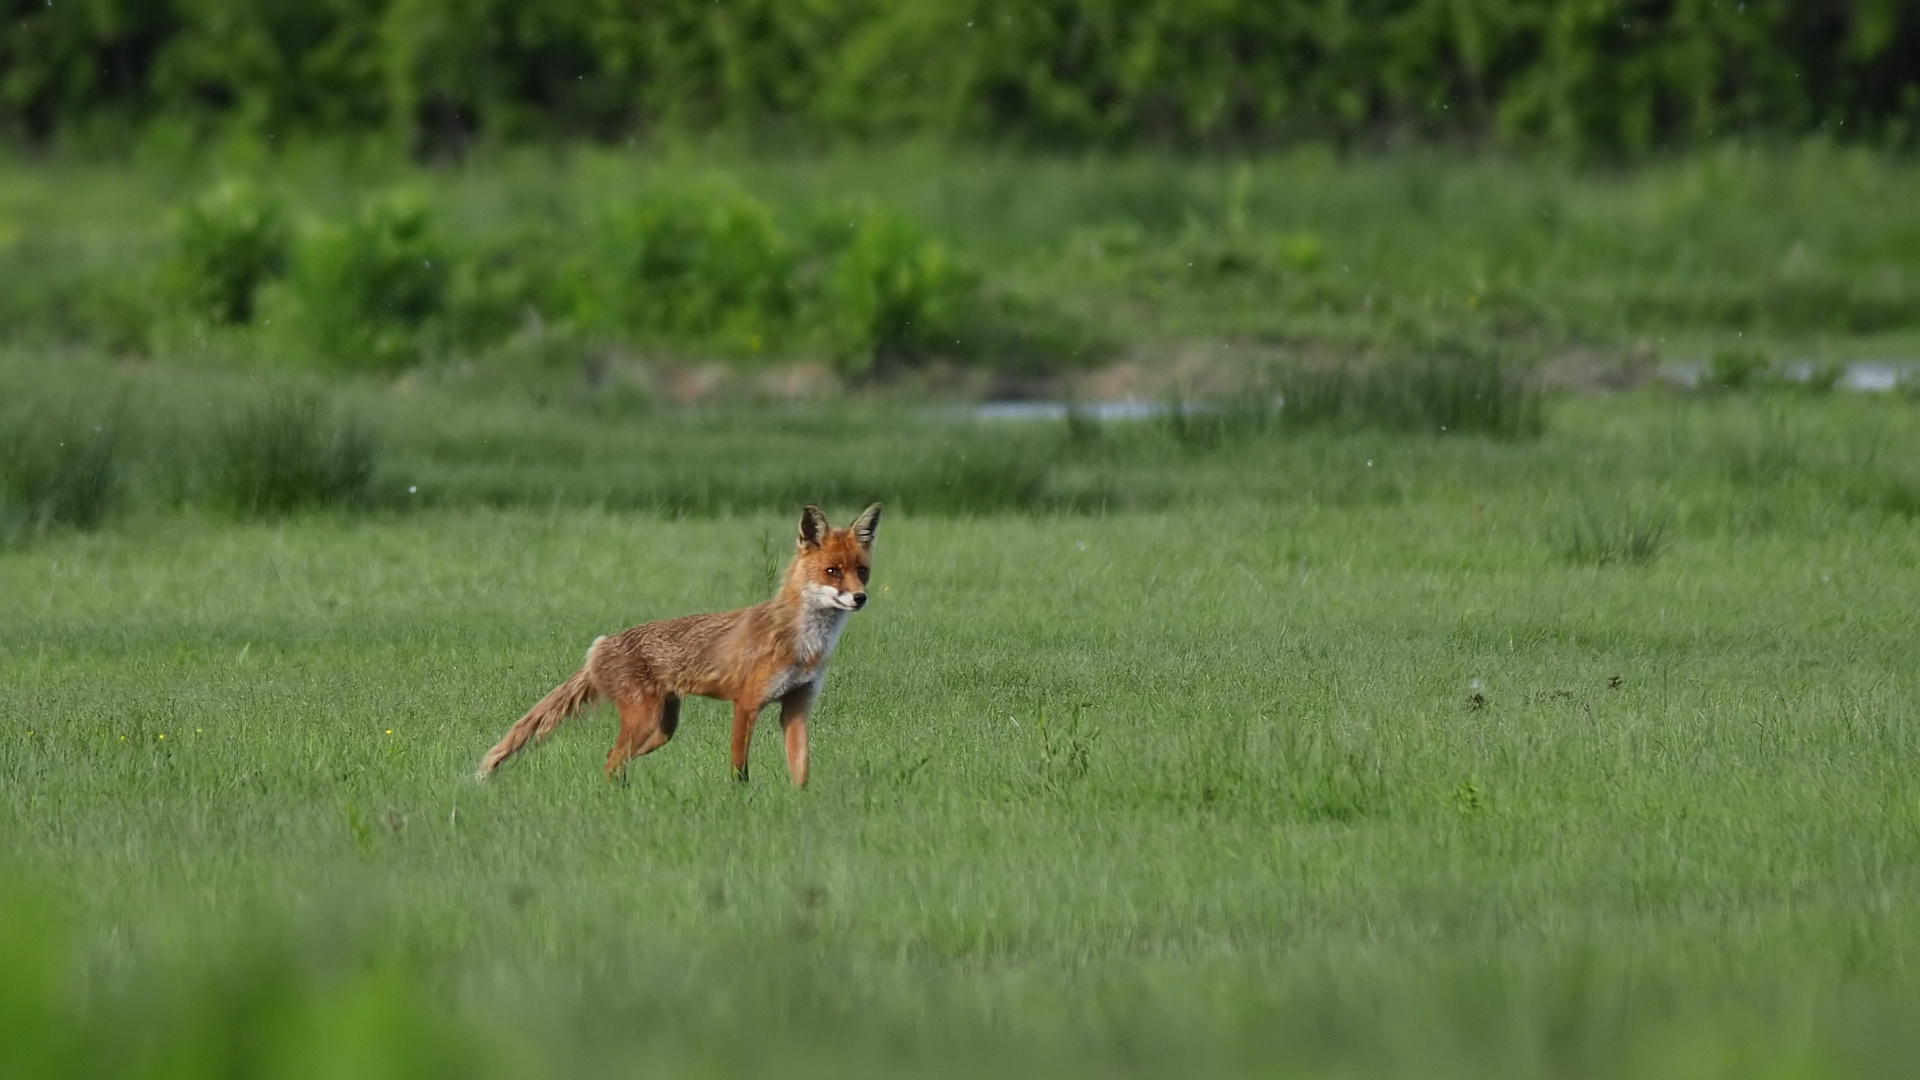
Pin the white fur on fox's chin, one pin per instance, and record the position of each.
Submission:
(826, 596)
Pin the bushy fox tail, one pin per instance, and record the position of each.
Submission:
(564, 701)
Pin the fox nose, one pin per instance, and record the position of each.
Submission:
(859, 600)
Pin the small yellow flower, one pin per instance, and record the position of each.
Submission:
(389, 731)
(163, 736)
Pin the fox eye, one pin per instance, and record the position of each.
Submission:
(833, 571)
(863, 571)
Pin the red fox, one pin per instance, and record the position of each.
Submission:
(775, 651)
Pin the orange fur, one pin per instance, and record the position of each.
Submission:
(775, 651)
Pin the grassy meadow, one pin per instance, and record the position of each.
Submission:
(1229, 747)
(1396, 701)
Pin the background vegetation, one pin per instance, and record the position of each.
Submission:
(874, 263)
(1600, 77)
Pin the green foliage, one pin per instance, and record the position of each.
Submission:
(711, 267)
(226, 246)
(436, 76)
(371, 293)
(895, 294)
(1021, 264)
(704, 265)
(288, 455)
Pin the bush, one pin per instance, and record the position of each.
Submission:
(225, 247)
(507, 284)
(288, 455)
(896, 295)
(371, 293)
(703, 265)
(712, 267)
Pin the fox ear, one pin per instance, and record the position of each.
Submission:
(866, 525)
(813, 526)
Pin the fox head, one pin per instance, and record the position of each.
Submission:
(832, 565)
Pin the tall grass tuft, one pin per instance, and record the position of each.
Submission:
(1734, 368)
(1593, 535)
(1475, 393)
(287, 455)
(1201, 425)
(55, 473)
(1468, 392)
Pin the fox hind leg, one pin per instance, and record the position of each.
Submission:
(647, 721)
(663, 730)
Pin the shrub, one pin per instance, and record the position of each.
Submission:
(704, 265)
(225, 246)
(895, 294)
(287, 455)
(687, 268)
(505, 285)
(371, 293)
(712, 267)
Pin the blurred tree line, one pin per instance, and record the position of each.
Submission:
(1592, 77)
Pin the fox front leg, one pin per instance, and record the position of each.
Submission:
(744, 715)
(793, 725)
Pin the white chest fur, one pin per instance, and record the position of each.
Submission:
(819, 633)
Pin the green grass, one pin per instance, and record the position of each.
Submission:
(1711, 462)
(1310, 752)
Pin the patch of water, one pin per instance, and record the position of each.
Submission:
(1126, 409)
(1860, 376)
